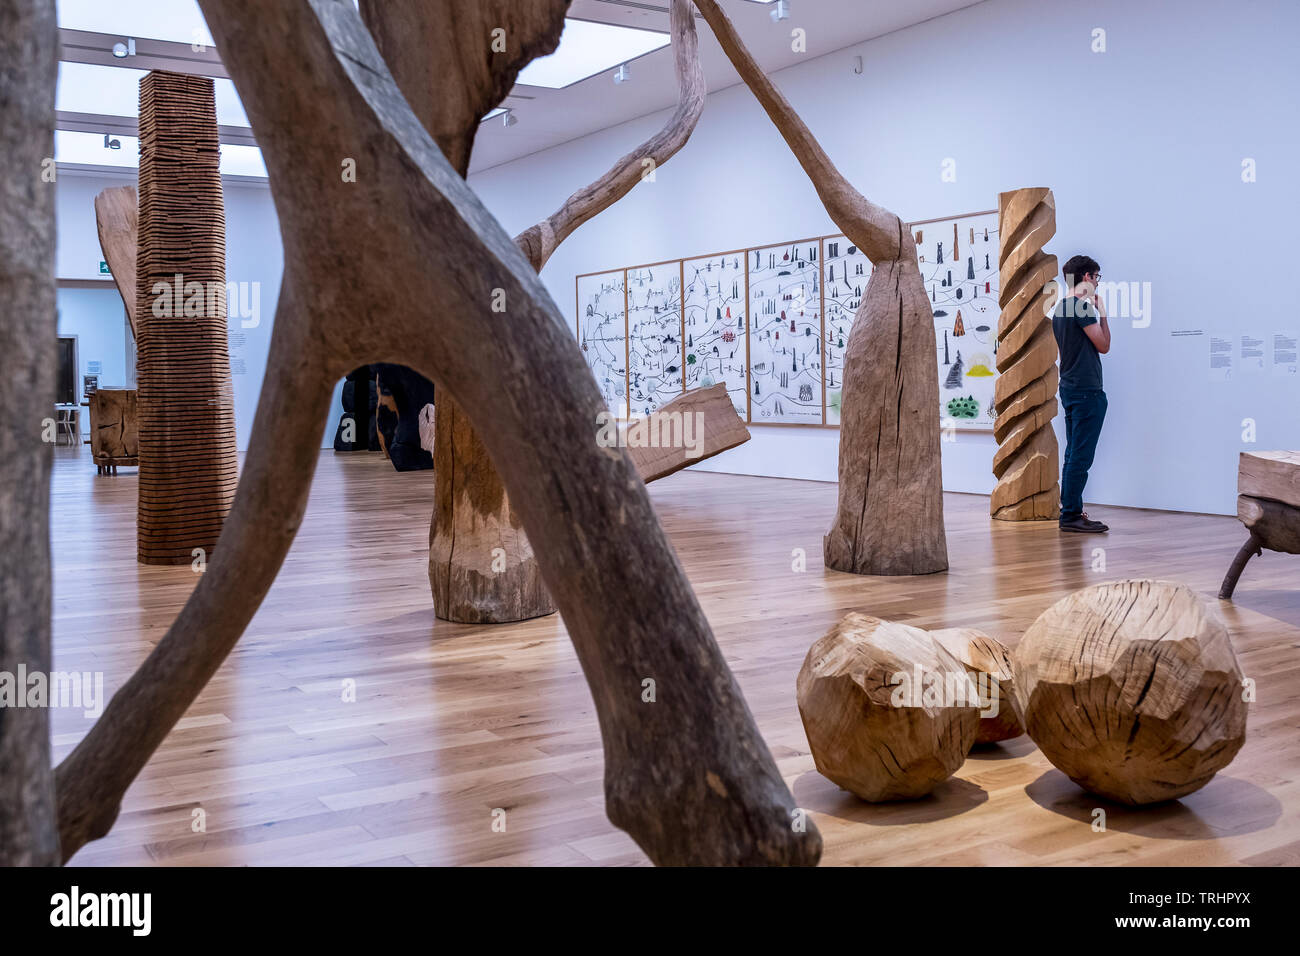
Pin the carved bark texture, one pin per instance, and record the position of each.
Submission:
(657, 443)
(28, 68)
(117, 218)
(871, 699)
(1132, 690)
(889, 519)
(689, 777)
(540, 241)
(188, 465)
(1026, 462)
(453, 67)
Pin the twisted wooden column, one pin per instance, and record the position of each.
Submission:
(1026, 463)
(187, 416)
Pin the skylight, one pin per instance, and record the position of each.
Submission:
(88, 149)
(115, 91)
(588, 48)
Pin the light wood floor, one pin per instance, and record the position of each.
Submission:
(454, 721)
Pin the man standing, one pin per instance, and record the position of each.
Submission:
(1082, 337)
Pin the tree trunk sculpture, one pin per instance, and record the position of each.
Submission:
(1026, 463)
(117, 220)
(688, 776)
(890, 514)
(28, 69)
(188, 462)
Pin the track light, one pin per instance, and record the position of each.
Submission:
(124, 49)
(781, 11)
(623, 74)
(509, 119)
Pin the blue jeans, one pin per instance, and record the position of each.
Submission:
(1085, 410)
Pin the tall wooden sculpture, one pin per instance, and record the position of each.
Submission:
(481, 566)
(1026, 463)
(890, 514)
(28, 69)
(688, 776)
(186, 410)
(117, 220)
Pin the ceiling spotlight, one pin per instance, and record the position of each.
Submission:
(124, 49)
(622, 74)
(110, 143)
(781, 11)
(509, 119)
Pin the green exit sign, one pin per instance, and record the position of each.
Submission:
(103, 268)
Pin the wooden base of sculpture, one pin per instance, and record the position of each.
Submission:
(1026, 463)
(1132, 690)
(1268, 504)
(871, 699)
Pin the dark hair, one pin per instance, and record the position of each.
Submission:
(1077, 267)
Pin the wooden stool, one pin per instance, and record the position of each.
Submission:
(1268, 504)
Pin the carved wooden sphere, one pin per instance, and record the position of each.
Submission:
(989, 664)
(888, 712)
(1132, 690)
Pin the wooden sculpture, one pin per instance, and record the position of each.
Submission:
(1268, 504)
(481, 566)
(1026, 463)
(705, 417)
(117, 219)
(1132, 690)
(889, 713)
(28, 71)
(890, 514)
(114, 434)
(689, 776)
(188, 466)
(989, 664)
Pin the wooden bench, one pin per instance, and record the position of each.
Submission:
(1268, 504)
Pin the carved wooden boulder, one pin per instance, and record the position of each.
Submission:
(1132, 690)
(988, 663)
(889, 713)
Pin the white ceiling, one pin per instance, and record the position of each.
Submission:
(550, 117)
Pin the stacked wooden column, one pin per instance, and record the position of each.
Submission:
(187, 421)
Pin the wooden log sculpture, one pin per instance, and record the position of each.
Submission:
(988, 663)
(1132, 690)
(889, 713)
(114, 433)
(695, 426)
(689, 776)
(28, 70)
(188, 464)
(890, 514)
(117, 220)
(1026, 463)
(481, 566)
(403, 396)
(1268, 504)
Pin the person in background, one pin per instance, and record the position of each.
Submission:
(1082, 337)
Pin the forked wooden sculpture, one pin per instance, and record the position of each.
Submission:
(117, 218)
(889, 713)
(188, 463)
(405, 263)
(1268, 504)
(1132, 690)
(890, 514)
(1026, 463)
(473, 523)
(28, 70)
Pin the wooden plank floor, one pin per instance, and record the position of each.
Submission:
(452, 722)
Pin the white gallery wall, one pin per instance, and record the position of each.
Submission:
(1143, 146)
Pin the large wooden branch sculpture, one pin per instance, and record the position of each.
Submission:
(117, 220)
(541, 240)
(28, 68)
(890, 514)
(404, 264)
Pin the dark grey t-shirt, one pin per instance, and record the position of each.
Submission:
(1080, 363)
